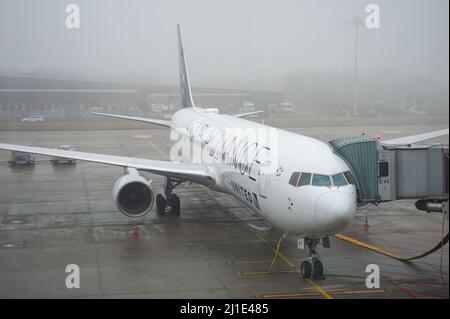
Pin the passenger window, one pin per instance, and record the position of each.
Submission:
(294, 178)
(321, 180)
(339, 180)
(305, 179)
(348, 175)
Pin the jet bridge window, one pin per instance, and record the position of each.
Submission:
(339, 180)
(305, 179)
(321, 180)
(294, 178)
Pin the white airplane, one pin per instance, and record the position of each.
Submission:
(310, 192)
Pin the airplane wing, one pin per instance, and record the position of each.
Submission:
(139, 119)
(415, 138)
(197, 173)
(246, 114)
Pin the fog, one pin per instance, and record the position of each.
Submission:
(305, 48)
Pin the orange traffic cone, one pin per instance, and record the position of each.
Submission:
(136, 232)
(366, 224)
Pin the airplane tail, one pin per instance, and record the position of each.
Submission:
(185, 86)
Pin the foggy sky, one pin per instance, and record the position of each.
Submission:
(229, 43)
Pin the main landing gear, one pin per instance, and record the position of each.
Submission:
(312, 267)
(170, 201)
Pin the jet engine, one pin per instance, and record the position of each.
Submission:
(133, 195)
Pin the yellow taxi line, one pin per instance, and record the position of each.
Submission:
(251, 262)
(157, 148)
(318, 288)
(310, 294)
(368, 246)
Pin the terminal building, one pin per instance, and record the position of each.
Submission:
(73, 99)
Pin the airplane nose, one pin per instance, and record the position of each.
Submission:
(334, 210)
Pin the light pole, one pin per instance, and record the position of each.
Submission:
(357, 22)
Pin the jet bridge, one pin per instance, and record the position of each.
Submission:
(393, 172)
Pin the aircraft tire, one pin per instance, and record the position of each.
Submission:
(317, 270)
(160, 204)
(175, 201)
(306, 269)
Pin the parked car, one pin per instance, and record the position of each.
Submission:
(33, 119)
(20, 158)
(247, 107)
(286, 107)
(56, 160)
(273, 108)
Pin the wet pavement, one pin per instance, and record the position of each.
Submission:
(55, 215)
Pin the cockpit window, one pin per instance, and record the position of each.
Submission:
(339, 180)
(305, 179)
(321, 180)
(348, 175)
(294, 178)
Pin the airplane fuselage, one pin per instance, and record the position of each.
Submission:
(259, 172)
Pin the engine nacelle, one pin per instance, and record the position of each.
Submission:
(133, 195)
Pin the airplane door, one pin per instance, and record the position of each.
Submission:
(262, 185)
(386, 171)
(263, 174)
(384, 181)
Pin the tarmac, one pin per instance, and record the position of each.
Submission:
(55, 215)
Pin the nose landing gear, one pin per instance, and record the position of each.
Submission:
(312, 267)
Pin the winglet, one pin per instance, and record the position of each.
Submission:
(416, 138)
(185, 86)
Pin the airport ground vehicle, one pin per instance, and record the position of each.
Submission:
(284, 107)
(162, 110)
(247, 107)
(33, 119)
(21, 158)
(56, 159)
